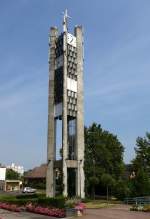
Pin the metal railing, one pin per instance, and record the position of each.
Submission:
(137, 201)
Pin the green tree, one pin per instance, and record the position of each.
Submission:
(93, 180)
(121, 189)
(11, 174)
(108, 181)
(103, 155)
(140, 184)
(142, 151)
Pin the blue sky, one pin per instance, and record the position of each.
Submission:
(116, 73)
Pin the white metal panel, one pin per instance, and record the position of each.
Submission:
(58, 109)
(2, 174)
(71, 40)
(71, 84)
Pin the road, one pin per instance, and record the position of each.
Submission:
(116, 212)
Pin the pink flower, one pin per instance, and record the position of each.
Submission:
(46, 211)
(10, 207)
(35, 209)
(80, 206)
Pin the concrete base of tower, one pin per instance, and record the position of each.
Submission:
(80, 180)
(50, 185)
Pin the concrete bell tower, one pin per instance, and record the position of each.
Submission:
(65, 103)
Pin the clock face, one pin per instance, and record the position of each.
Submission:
(71, 39)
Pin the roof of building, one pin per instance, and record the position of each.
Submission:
(37, 172)
(13, 180)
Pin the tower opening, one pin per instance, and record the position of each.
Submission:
(71, 182)
(58, 130)
(72, 138)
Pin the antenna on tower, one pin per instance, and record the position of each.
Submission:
(65, 20)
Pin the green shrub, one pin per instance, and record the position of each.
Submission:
(58, 202)
(21, 202)
(27, 196)
(137, 208)
(86, 200)
(70, 203)
(146, 208)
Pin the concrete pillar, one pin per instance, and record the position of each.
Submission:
(64, 118)
(50, 187)
(80, 114)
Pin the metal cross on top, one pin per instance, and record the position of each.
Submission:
(66, 16)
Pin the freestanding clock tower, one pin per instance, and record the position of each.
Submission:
(65, 103)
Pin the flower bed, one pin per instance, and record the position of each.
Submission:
(34, 203)
(55, 212)
(10, 207)
(145, 208)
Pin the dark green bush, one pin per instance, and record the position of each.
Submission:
(21, 202)
(27, 196)
(85, 200)
(58, 202)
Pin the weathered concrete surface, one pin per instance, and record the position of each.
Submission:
(78, 164)
(80, 114)
(116, 212)
(50, 187)
(64, 119)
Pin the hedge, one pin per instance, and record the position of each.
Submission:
(28, 196)
(57, 202)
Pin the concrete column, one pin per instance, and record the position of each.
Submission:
(64, 118)
(51, 120)
(80, 114)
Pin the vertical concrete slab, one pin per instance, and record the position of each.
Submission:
(64, 119)
(80, 114)
(51, 121)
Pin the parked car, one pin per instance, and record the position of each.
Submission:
(28, 190)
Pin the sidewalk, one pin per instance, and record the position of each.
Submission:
(116, 212)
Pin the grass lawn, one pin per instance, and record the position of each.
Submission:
(98, 204)
(101, 203)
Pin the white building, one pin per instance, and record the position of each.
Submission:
(17, 168)
(2, 173)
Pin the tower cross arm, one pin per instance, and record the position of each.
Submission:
(65, 20)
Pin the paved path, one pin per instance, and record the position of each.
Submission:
(21, 215)
(116, 212)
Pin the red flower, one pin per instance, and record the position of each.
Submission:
(10, 207)
(46, 211)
